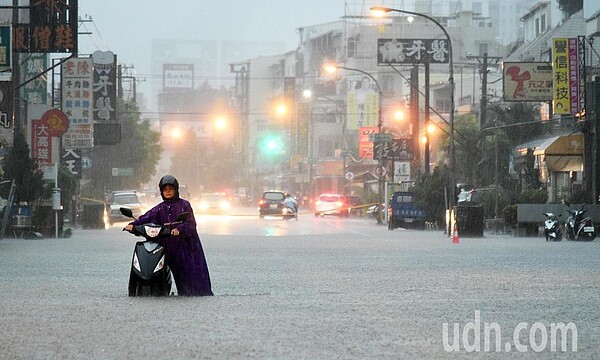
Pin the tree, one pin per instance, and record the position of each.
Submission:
(430, 193)
(570, 7)
(21, 168)
(139, 149)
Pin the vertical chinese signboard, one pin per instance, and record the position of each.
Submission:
(77, 100)
(5, 51)
(105, 86)
(35, 91)
(365, 145)
(362, 101)
(41, 143)
(568, 57)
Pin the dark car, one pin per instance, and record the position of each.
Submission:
(271, 203)
(354, 205)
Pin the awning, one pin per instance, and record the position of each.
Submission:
(562, 153)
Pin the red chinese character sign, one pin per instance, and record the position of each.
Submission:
(52, 28)
(365, 146)
(41, 140)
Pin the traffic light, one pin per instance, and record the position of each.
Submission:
(271, 145)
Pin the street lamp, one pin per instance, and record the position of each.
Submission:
(330, 68)
(381, 11)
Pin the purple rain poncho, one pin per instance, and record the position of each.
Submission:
(184, 253)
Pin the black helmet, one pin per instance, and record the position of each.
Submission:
(168, 180)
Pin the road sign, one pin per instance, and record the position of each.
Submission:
(349, 176)
(122, 171)
(381, 171)
(86, 162)
(385, 137)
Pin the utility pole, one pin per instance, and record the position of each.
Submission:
(596, 191)
(484, 61)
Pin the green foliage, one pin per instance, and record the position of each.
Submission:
(488, 200)
(429, 193)
(570, 7)
(580, 197)
(510, 214)
(533, 196)
(475, 148)
(18, 165)
(531, 174)
(139, 149)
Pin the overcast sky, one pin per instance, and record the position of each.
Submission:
(127, 27)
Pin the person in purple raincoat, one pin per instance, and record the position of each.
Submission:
(184, 253)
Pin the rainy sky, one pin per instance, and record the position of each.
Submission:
(127, 27)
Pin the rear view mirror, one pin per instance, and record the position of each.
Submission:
(126, 212)
(183, 216)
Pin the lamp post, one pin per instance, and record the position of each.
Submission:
(380, 11)
(380, 169)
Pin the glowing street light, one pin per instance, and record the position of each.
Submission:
(220, 123)
(379, 11)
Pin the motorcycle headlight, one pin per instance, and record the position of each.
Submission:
(160, 265)
(136, 263)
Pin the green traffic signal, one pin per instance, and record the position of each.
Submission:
(271, 145)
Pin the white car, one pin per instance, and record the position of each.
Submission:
(134, 200)
(331, 204)
(217, 203)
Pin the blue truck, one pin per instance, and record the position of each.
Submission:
(402, 212)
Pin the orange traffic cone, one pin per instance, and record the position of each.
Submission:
(455, 235)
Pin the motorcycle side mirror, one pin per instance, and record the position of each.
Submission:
(183, 216)
(126, 212)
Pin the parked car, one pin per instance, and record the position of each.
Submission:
(331, 204)
(214, 203)
(131, 199)
(403, 212)
(271, 203)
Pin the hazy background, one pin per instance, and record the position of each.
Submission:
(128, 27)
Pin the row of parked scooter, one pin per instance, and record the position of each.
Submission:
(577, 227)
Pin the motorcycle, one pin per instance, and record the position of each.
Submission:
(377, 212)
(552, 230)
(290, 210)
(578, 227)
(289, 213)
(150, 275)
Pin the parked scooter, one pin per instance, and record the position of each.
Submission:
(377, 212)
(150, 275)
(552, 230)
(578, 227)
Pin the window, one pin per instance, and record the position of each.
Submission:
(543, 20)
(537, 27)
